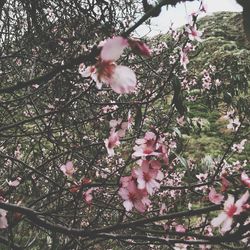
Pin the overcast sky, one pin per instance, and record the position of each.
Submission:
(178, 15)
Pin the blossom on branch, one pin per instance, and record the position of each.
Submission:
(133, 196)
(193, 33)
(225, 218)
(148, 175)
(215, 197)
(68, 169)
(14, 183)
(120, 78)
(146, 146)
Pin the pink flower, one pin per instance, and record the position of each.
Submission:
(87, 196)
(112, 142)
(239, 147)
(180, 229)
(134, 197)
(68, 168)
(225, 218)
(139, 47)
(193, 33)
(214, 197)
(145, 146)
(245, 179)
(234, 124)
(181, 120)
(120, 78)
(202, 177)
(3, 219)
(120, 126)
(147, 176)
(14, 183)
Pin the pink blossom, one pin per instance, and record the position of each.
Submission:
(68, 168)
(225, 218)
(147, 176)
(234, 124)
(139, 47)
(202, 177)
(120, 78)
(239, 147)
(181, 120)
(145, 146)
(215, 197)
(3, 219)
(120, 126)
(134, 197)
(180, 228)
(217, 82)
(193, 33)
(87, 196)
(245, 179)
(112, 142)
(125, 180)
(14, 183)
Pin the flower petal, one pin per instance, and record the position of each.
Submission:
(216, 222)
(128, 205)
(123, 80)
(113, 48)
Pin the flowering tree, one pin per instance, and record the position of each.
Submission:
(97, 131)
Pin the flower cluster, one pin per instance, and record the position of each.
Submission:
(145, 179)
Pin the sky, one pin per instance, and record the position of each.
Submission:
(178, 15)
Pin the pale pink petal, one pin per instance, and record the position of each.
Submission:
(229, 202)
(123, 80)
(123, 192)
(226, 225)
(14, 183)
(139, 206)
(113, 48)
(159, 176)
(245, 179)
(239, 203)
(140, 141)
(141, 183)
(216, 222)
(128, 205)
(86, 72)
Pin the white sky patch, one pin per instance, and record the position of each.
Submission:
(178, 15)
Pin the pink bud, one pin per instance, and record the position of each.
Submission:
(139, 47)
